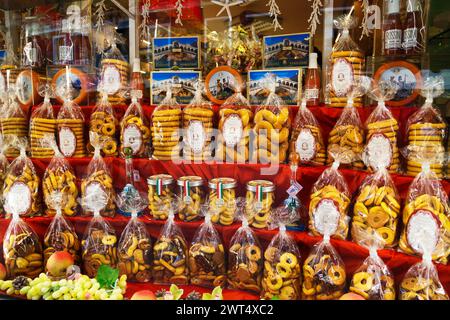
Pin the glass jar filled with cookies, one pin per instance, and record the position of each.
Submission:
(191, 197)
(260, 198)
(160, 195)
(222, 200)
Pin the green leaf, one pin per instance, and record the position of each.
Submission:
(216, 294)
(275, 298)
(107, 276)
(207, 296)
(176, 292)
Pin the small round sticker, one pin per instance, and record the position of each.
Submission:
(422, 231)
(326, 216)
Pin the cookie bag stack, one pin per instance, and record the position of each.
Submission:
(198, 129)
(426, 215)
(42, 122)
(235, 124)
(165, 128)
(134, 129)
(207, 255)
(59, 176)
(170, 254)
(22, 182)
(271, 127)
(346, 64)
(135, 245)
(98, 180)
(282, 265)
(60, 234)
(382, 130)
(426, 131)
(373, 280)
(104, 123)
(306, 139)
(4, 164)
(245, 258)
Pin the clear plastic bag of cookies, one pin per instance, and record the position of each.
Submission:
(245, 258)
(346, 64)
(271, 127)
(306, 139)
(377, 208)
(329, 204)
(134, 129)
(21, 186)
(42, 122)
(207, 255)
(99, 244)
(426, 131)
(347, 136)
(22, 250)
(170, 254)
(165, 127)
(59, 176)
(373, 280)
(235, 127)
(13, 121)
(70, 125)
(426, 216)
(323, 270)
(282, 265)
(104, 122)
(4, 164)
(222, 200)
(198, 130)
(98, 181)
(191, 197)
(60, 234)
(135, 245)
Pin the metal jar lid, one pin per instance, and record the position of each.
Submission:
(194, 181)
(267, 186)
(227, 183)
(165, 178)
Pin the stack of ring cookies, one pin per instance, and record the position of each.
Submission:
(191, 196)
(327, 202)
(222, 199)
(165, 129)
(61, 240)
(99, 248)
(346, 140)
(373, 286)
(376, 210)
(259, 200)
(14, 126)
(160, 195)
(324, 278)
(59, 178)
(282, 275)
(426, 141)
(207, 264)
(71, 137)
(421, 288)
(134, 134)
(105, 126)
(100, 179)
(198, 132)
(39, 127)
(135, 257)
(272, 131)
(245, 263)
(22, 253)
(170, 261)
(384, 133)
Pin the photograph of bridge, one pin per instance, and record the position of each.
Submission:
(287, 51)
(179, 52)
(182, 84)
(288, 85)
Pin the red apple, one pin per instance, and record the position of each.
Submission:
(351, 296)
(143, 295)
(58, 263)
(2, 272)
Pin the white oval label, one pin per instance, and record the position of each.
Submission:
(2, 83)
(306, 145)
(196, 136)
(111, 79)
(67, 141)
(24, 88)
(422, 231)
(341, 77)
(232, 130)
(379, 151)
(95, 197)
(326, 217)
(18, 199)
(132, 138)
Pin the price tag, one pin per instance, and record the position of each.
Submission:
(294, 189)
